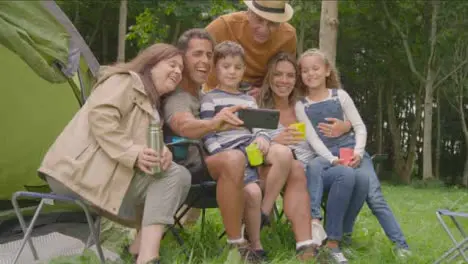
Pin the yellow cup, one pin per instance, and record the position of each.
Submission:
(300, 127)
(254, 155)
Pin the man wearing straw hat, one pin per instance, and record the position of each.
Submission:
(262, 31)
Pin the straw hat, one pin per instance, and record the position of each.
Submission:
(272, 10)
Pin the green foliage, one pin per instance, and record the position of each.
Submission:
(158, 23)
(147, 30)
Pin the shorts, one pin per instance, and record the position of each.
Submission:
(250, 173)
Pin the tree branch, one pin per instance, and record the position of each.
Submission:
(449, 100)
(453, 71)
(404, 39)
(433, 37)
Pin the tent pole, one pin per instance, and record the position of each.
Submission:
(82, 92)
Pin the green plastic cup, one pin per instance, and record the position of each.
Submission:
(254, 155)
(300, 127)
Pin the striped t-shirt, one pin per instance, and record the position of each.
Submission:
(212, 103)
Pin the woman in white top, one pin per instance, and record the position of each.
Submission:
(278, 92)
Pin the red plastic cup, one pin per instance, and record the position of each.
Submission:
(346, 154)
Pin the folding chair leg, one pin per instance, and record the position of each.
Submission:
(458, 226)
(27, 230)
(452, 250)
(179, 239)
(457, 245)
(97, 226)
(92, 230)
(203, 222)
(461, 247)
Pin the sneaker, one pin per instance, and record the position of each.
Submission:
(318, 233)
(337, 256)
(246, 254)
(257, 256)
(403, 253)
(305, 253)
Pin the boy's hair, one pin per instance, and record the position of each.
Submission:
(228, 48)
(332, 81)
(194, 33)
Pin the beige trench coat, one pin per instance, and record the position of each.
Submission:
(95, 154)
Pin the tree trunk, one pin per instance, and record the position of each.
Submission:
(76, 19)
(175, 35)
(99, 25)
(438, 138)
(105, 41)
(465, 170)
(329, 28)
(412, 141)
(379, 119)
(395, 134)
(122, 31)
(379, 124)
(429, 96)
(465, 133)
(427, 136)
(300, 43)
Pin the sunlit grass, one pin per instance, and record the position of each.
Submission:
(414, 208)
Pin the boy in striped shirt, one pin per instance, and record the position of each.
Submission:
(230, 66)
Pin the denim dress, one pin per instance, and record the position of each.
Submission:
(317, 113)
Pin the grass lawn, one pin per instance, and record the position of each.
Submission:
(414, 208)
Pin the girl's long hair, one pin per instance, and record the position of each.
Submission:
(332, 81)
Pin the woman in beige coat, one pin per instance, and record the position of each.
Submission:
(102, 155)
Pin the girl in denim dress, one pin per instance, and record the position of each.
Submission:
(346, 184)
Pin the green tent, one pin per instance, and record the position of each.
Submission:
(47, 70)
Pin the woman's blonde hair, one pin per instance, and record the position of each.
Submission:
(331, 81)
(266, 94)
(142, 65)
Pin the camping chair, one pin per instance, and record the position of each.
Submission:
(202, 195)
(460, 247)
(50, 198)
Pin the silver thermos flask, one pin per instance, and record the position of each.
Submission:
(156, 142)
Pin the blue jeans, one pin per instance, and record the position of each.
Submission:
(377, 205)
(339, 182)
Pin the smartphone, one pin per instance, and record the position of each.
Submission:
(259, 118)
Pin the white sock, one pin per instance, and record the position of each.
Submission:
(236, 241)
(304, 243)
